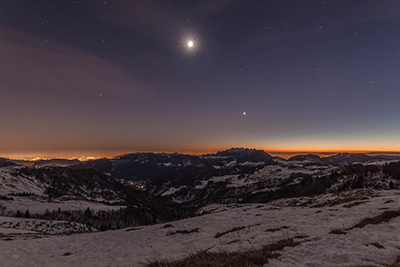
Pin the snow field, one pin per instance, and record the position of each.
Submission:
(263, 224)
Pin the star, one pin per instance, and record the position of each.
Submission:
(244, 113)
(190, 44)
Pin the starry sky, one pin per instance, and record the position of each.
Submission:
(90, 77)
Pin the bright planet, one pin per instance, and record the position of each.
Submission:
(190, 43)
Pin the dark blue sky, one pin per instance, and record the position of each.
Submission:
(107, 77)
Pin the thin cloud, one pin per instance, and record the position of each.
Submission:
(157, 19)
(29, 62)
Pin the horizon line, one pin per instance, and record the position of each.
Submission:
(84, 155)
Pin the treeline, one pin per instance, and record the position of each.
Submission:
(115, 219)
(23, 194)
(389, 170)
(4, 197)
(392, 169)
(370, 176)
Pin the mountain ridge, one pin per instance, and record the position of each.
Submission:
(143, 166)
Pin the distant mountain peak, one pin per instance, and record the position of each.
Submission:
(312, 157)
(347, 158)
(241, 150)
(245, 154)
(56, 162)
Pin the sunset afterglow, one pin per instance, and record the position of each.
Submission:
(82, 80)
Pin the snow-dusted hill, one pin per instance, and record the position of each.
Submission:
(80, 195)
(52, 192)
(38, 190)
(263, 182)
(156, 166)
(326, 227)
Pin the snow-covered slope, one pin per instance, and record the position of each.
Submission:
(38, 190)
(13, 184)
(311, 221)
(263, 182)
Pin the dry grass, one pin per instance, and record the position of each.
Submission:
(376, 244)
(235, 229)
(337, 232)
(339, 201)
(218, 235)
(254, 258)
(353, 204)
(133, 229)
(184, 232)
(396, 264)
(276, 229)
(346, 197)
(388, 201)
(381, 218)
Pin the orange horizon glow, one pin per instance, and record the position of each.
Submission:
(91, 155)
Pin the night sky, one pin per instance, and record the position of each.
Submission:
(108, 77)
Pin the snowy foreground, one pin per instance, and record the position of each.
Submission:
(310, 219)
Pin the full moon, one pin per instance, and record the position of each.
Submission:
(190, 43)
